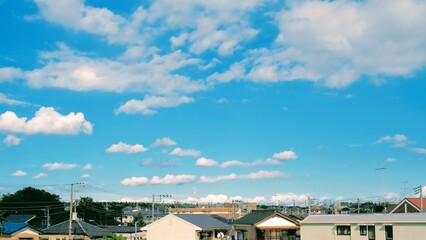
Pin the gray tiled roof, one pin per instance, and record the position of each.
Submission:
(19, 218)
(204, 221)
(79, 227)
(367, 218)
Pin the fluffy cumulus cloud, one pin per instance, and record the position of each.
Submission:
(168, 179)
(213, 198)
(59, 166)
(185, 152)
(205, 162)
(149, 104)
(8, 101)
(46, 121)
(11, 140)
(40, 175)
(19, 173)
(236, 163)
(253, 176)
(125, 148)
(10, 73)
(289, 197)
(337, 42)
(164, 142)
(398, 140)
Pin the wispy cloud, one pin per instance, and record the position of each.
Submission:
(12, 140)
(185, 152)
(149, 104)
(168, 179)
(398, 140)
(46, 121)
(8, 101)
(125, 148)
(276, 158)
(40, 175)
(253, 176)
(419, 150)
(86, 175)
(88, 167)
(59, 166)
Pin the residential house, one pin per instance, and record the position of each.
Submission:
(18, 231)
(266, 225)
(129, 216)
(409, 205)
(128, 232)
(79, 230)
(187, 227)
(410, 226)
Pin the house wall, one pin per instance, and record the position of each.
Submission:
(171, 229)
(23, 233)
(328, 232)
(249, 231)
(63, 237)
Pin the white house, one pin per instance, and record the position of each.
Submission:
(409, 226)
(186, 227)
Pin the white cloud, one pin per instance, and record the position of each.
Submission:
(205, 162)
(85, 176)
(148, 105)
(125, 148)
(19, 173)
(237, 163)
(40, 175)
(253, 176)
(46, 121)
(276, 158)
(212, 198)
(284, 155)
(88, 167)
(10, 73)
(8, 101)
(11, 140)
(164, 142)
(336, 43)
(185, 152)
(74, 14)
(391, 159)
(168, 179)
(59, 166)
(222, 100)
(419, 150)
(154, 74)
(398, 140)
(289, 197)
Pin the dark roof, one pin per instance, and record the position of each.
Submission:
(204, 221)
(11, 227)
(254, 217)
(122, 229)
(19, 218)
(79, 227)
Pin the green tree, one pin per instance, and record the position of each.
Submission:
(100, 213)
(113, 237)
(34, 201)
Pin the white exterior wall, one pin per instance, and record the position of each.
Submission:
(328, 232)
(171, 228)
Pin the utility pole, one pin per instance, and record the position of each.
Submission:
(153, 201)
(419, 190)
(71, 208)
(358, 206)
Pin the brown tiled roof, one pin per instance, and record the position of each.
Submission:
(416, 202)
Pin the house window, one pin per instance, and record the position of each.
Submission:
(363, 230)
(389, 232)
(343, 230)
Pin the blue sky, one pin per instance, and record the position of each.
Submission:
(260, 100)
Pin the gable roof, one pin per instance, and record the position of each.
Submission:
(203, 221)
(23, 218)
(79, 227)
(366, 218)
(123, 229)
(414, 202)
(254, 217)
(11, 227)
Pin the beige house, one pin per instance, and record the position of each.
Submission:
(409, 226)
(187, 227)
(18, 231)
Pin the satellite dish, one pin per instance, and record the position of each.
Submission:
(220, 235)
